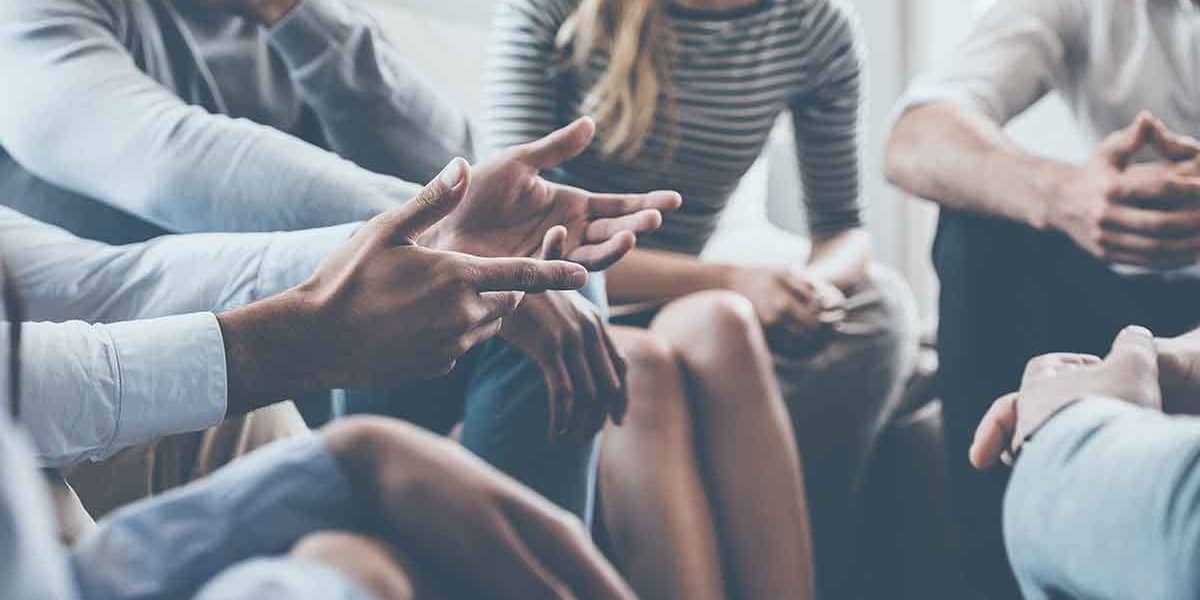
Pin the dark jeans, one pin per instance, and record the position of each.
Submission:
(500, 397)
(1009, 293)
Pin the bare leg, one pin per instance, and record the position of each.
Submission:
(747, 444)
(652, 494)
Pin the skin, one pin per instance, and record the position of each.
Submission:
(703, 492)
(1147, 215)
(506, 214)
(464, 518)
(360, 321)
(1051, 382)
(1175, 386)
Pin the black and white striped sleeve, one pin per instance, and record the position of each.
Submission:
(522, 93)
(827, 123)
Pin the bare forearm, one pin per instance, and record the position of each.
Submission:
(963, 160)
(646, 275)
(841, 259)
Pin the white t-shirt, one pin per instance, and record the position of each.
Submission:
(1108, 59)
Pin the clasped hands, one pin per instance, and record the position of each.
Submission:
(1144, 215)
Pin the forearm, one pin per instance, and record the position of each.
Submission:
(373, 107)
(650, 275)
(962, 160)
(1104, 503)
(841, 259)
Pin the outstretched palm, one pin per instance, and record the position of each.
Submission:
(509, 208)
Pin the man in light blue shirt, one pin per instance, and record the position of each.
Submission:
(1104, 498)
(138, 118)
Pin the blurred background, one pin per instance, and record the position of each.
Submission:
(904, 38)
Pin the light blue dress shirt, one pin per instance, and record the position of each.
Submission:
(218, 539)
(1105, 503)
(120, 119)
(144, 356)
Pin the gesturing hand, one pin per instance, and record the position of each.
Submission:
(382, 309)
(1144, 215)
(439, 502)
(510, 208)
(1129, 372)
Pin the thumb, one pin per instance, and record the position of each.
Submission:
(554, 244)
(1136, 345)
(436, 200)
(1120, 147)
(561, 145)
(1170, 145)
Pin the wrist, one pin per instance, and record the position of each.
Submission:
(270, 12)
(1057, 184)
(269, 352)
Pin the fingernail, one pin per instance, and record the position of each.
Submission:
(1138, 330)
(453, 173)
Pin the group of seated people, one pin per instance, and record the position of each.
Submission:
(245, 356)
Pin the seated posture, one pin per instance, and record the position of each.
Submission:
(1036, 255)
(701, 492)
(138, 118)
(380, 309)
(367, 508)
(1102, 500)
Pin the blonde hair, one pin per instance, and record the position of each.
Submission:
(625, 99)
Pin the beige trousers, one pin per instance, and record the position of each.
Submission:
(85, 492)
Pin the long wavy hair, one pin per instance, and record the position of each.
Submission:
(627, 97)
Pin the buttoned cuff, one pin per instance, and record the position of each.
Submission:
(292, 257)
(1077, 419)
(171, 377)
(312, 28)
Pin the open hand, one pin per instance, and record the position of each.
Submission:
(382, 309)
(510, 208)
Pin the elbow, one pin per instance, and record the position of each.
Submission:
(898, 152)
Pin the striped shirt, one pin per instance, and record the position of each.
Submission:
(733, 73)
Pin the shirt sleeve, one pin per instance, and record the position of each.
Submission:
(373, 107)
(33, 563)
(172, 545)
(827, 125)
(1105, 503)
(64, 277)
(282, 578)
(79, 113)
(1013, 57)
(90, 390)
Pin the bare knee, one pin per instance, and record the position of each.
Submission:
(657, 398)
(368, 562)
(708, 324)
